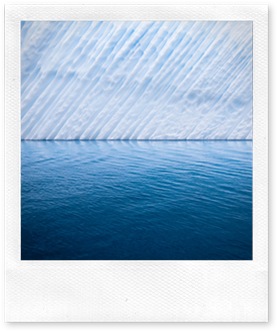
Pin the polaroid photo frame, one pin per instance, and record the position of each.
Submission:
(135, 290)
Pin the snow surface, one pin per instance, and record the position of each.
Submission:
(136, 80)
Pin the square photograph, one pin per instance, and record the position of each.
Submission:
(136, 140)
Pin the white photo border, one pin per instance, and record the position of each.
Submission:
(136, 291)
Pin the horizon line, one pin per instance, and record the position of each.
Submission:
(136, 139)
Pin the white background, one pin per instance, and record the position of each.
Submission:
(272, 130)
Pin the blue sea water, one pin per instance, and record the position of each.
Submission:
(136, 200)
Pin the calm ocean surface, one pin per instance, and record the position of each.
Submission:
(136, 200)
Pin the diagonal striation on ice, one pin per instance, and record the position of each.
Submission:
(136, 80)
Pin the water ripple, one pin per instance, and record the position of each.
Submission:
(136, 200)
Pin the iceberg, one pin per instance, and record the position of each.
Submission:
(136, 80)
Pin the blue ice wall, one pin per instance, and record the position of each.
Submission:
(136, 80)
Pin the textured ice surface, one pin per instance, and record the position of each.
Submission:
(136, 80)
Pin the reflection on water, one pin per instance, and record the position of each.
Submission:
(136, 200)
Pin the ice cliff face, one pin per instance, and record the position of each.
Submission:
(136, 80)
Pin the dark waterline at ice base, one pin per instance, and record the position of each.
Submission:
(136, 200)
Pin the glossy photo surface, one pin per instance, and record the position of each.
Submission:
(136, 140)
